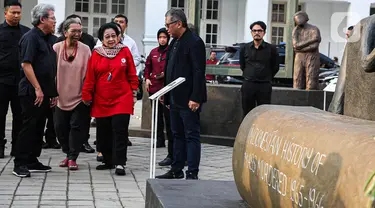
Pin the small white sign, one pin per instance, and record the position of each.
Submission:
(167, 88)
(331, 87)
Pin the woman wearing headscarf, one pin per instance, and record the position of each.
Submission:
(71, 115)
(110, 88)
(154, 74)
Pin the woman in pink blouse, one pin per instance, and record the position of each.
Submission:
(71, 115)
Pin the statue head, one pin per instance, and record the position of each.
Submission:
(301, 18)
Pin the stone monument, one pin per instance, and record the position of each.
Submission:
(288, 156)
(354, 90)
(306, 40)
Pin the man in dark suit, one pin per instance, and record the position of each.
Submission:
(186, 58)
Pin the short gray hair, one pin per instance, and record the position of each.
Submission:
(192, 28)
(68, 22)
(177, 15)
(40, 11)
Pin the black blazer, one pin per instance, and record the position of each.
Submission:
(189, 62)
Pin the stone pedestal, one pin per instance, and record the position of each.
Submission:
(303, 157)
(192, 193)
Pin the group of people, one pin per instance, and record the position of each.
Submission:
(75, 79)
(71, 77)
(79, 79)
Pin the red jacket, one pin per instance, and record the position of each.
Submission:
(114, 96)
(155, 66)
(210, 77)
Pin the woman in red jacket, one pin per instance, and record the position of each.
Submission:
(110, 87)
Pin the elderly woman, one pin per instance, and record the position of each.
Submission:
(110, 87)
(99, 157)
(71, 115)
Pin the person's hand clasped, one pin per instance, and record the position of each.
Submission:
(134, 97)
(193, 106)
(53, 102)
(39, 97)
(86, 102)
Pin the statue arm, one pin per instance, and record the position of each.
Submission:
(309, 48)
(368, 62)
(294, 37)
(314, 38)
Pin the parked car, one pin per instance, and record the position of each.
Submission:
(220, 51)
(232, 58)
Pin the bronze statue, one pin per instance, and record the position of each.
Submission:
(306, 40)
(355, 81)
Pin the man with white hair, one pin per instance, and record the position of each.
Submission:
(37, 89)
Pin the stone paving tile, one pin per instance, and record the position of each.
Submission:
(89, 187)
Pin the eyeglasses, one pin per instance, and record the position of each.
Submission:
(52, 18)
(76, 31)
(168, 24)
(257, 31)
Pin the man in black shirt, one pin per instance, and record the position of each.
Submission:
(37, 89)
(259, 64)
(11, 32)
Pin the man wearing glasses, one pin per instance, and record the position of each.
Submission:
(186, 57)
(259, 64)
(37, 89)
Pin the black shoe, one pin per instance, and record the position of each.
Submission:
(166, 162)
(45, 145)
(2, 148)
(21, 171)
(55, 145)
(160, 145)
(87, 148)
(51, 145)
(38, 167)
(120, 170)
(130, 143)
(191, 176)
(171, 175)
(105, 166)
(93, 123)
(99, 158)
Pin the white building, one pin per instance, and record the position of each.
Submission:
(223, 22)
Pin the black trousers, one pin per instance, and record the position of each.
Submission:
(254, 94)
(112, 135)
(164, 118)
(30, 138)
(71, 129)
(9, 94)
(50, 133)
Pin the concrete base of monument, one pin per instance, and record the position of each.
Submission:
(192, 193)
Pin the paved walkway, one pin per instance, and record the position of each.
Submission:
(88, 187)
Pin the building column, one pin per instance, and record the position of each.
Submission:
(60, 6)
(358, 10)
(154, 20)
(256, 11)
